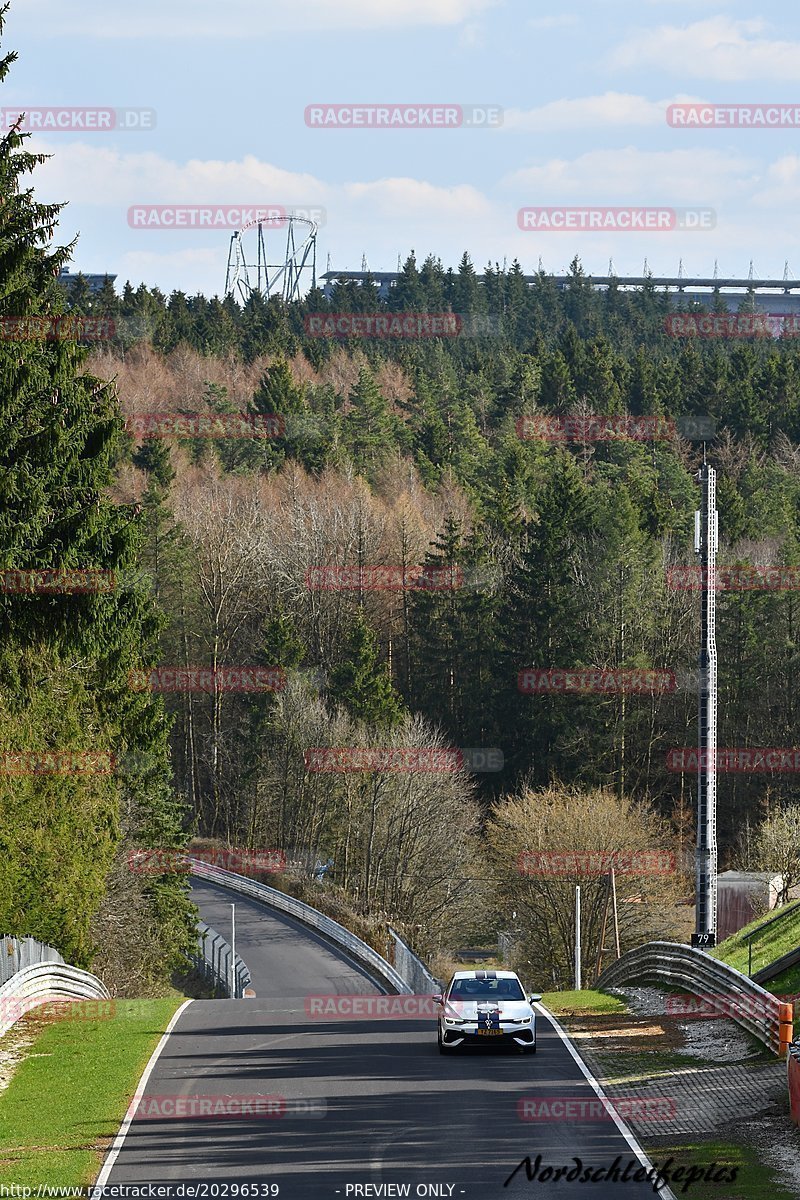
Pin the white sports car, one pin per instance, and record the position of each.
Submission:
(483, 1006)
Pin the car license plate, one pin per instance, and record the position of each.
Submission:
(489, 1032)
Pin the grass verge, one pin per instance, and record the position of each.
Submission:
(68, 1096)
(573, 1004)
(781, 937)
(753, 1181)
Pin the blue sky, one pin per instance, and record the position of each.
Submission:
(584, 89)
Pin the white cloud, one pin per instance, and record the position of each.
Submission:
(632, 176)
(781, 188)
(411, 199)
(589, 112)
(717, 48)
(235, 18)
(99, 176)
(386, 216)
(89, 175)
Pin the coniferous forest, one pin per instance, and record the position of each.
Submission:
(392, 453)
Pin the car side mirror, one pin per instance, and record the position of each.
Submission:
(534, 997)
(437, 999)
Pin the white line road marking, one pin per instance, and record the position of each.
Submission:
(113, 1154)
(666, 1192)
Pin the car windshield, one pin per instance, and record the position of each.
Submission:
(486, 989)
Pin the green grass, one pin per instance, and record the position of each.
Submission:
(787, 983)
(71, 1092)
(779, 939)
(578, 1003)
(754, 1181)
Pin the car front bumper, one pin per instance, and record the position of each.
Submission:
(468, 1035)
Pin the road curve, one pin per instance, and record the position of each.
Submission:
(363, 1103)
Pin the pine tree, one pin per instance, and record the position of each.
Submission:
(66, 657)
(367, 425)
(361, 683)
(543, 624)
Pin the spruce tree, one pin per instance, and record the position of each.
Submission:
(68, 652)
(361, 683)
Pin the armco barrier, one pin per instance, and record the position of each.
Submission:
(377, 966)
(794, 1081)
(40, 984)
(755, 1009)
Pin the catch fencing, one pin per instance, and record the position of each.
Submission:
(18, 953)
(214, 963)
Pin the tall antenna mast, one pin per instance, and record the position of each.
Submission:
(706, 546)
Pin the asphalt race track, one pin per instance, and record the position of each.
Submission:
(358, 1104)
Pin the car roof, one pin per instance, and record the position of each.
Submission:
(485, 975)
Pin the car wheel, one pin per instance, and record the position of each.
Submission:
(529, 1049)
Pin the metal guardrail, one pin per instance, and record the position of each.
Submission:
(777, 967)
(786, 913)
(413, 969)
(18, 953)
(359, 950)
(214, 963)
(45, 982)
(738, 997)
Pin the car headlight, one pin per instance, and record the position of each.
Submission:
(453, 1021)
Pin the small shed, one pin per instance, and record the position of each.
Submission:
(742, 896)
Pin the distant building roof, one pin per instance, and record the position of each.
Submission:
(94, 282)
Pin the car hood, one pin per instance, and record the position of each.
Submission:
(467, 1010)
